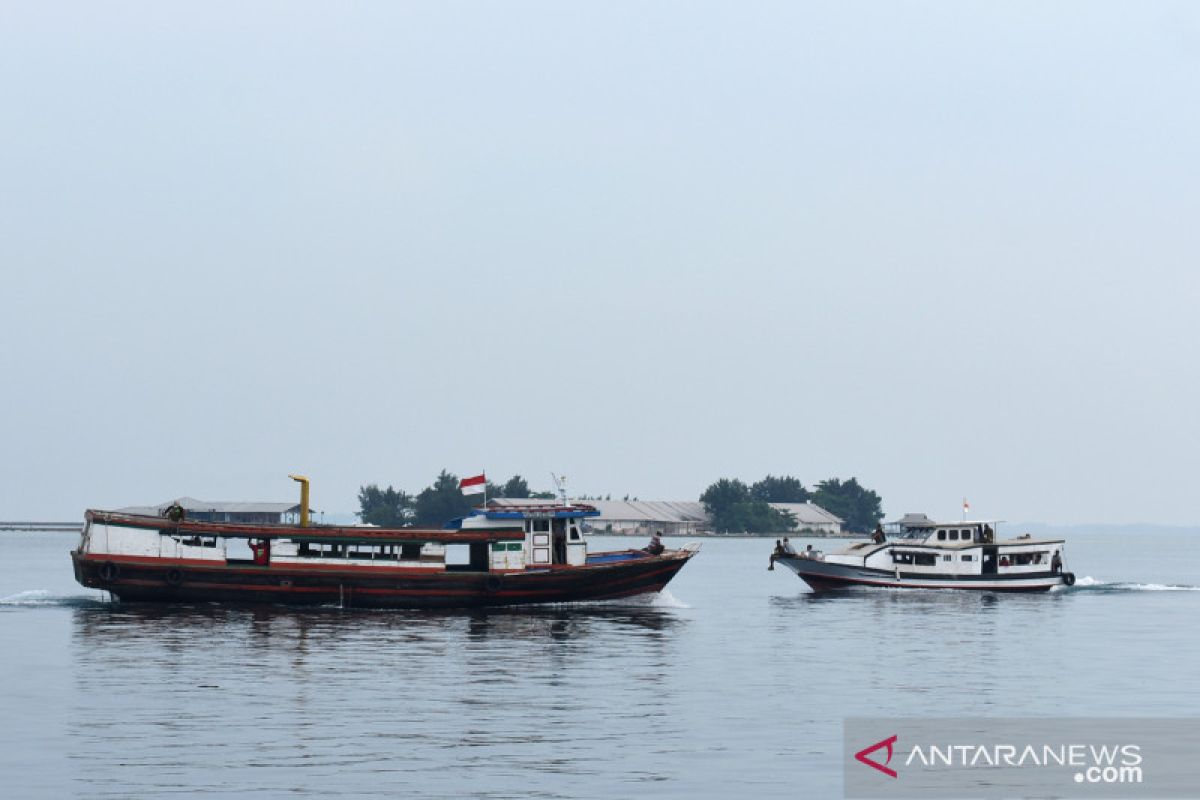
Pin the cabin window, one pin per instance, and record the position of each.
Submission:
(946, 558)
(541, 526)
(941, 536)
(954, 536)
(925, 559)
(458, 555)
(968, 557)
(410, 552)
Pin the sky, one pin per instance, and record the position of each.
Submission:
(948, 248)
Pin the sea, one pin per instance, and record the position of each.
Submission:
(732, 683)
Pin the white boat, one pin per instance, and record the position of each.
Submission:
(916, 552)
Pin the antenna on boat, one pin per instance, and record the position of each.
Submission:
(561, 485)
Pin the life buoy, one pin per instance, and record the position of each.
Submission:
(1069, 578)
(174, 576)
(109, 572)
(493, 584)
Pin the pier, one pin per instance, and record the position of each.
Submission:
(41, 526)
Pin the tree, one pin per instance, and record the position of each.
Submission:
(723, 495)
(858, 507)
(443, 501)
(734, 510)
(785, 489)
(516, 487)
(390, 508)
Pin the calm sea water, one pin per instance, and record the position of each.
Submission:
(733, 683)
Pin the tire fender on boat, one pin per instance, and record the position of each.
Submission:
(174, 576)
(109, 572)
(493, 584)
(1068, 578)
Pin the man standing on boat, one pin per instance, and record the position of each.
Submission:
(175, 512)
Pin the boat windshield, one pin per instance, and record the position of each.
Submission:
(913, 533)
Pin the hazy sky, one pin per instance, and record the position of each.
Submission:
(948, 248)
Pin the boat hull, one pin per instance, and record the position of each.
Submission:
(136, 579)
(830, 576)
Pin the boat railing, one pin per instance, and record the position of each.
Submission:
(691, 547)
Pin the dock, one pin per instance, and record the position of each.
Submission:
(41, 526)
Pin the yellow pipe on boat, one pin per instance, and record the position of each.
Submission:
(303, 498)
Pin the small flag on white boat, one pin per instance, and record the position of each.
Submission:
(966, 506)
(473, 485)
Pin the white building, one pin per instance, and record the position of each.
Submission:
(646, 517)
(680, 517)
(811, 517)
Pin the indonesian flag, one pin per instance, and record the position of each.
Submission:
(966, 506)
(473, 485)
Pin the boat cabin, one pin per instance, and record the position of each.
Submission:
(552, 533)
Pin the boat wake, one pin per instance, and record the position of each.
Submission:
(1090, 584)
(665, 599)
(40, 598)
(654, 600)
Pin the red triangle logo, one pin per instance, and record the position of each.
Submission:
(861, 755)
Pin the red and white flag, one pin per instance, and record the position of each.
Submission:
(473, 485)
(966, 506)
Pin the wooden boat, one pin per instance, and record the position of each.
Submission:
(919, 553)
(495, 556)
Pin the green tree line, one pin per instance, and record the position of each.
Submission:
(433, 506)
(738, 508)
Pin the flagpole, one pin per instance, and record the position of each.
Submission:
(485, 487)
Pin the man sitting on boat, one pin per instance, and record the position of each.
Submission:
(776, 553)
(655, 548)
(878, 537)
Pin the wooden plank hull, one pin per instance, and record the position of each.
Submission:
(166, 580)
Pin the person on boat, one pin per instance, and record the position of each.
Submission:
(989, 535)
(776, 553)
(1004, 562)
(1056, 563)
(809, 552)
(175, 512)
(788, 550)
(878, 537)
(655, 548)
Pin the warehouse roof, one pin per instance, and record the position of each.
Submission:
(192, 504)
(808, 513)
